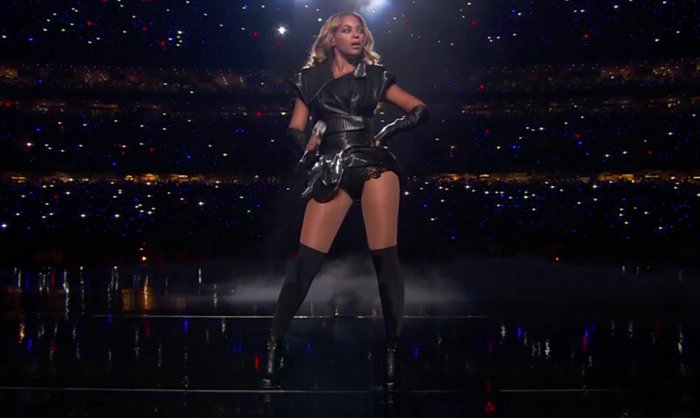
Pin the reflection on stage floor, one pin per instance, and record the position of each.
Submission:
(519, 337)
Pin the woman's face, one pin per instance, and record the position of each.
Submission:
(349, 38)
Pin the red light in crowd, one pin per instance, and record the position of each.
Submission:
(279, 42)
(89, 22)
(490, 408)
(256, 363)
(162, 43)
(144, 28)
(474, 22)
(578, 136)
(650, 152)
(481, 86)
(586, 36)
(151, 149)
(258, 114)
(487, 131)
(255, 34)
(8, 104)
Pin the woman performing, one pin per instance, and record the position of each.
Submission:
(339, 88)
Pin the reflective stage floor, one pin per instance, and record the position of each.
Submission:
(482, 337)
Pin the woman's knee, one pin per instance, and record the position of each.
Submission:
(381, 244)
(381, 228)
(380, 209)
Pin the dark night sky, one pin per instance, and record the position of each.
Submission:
(435, 36)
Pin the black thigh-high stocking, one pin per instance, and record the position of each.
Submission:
(391, 289)
(296, 285)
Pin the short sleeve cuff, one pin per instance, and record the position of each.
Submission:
(387, 80)
(298, 88)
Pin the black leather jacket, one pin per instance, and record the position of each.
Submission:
(344, 105)
(347, 105)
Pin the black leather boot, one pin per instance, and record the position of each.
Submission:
(296, 285)
(391, 293)
(391, 289)
(272, 361)
(391, 365)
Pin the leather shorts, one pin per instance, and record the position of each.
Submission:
(346, 160)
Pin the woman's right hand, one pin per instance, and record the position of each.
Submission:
(313, 143)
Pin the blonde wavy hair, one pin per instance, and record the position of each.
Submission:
(321, 50)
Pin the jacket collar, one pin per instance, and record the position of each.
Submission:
(360, 69)
(322, 74)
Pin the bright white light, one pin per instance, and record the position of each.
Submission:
(369, 7)
(281, 30)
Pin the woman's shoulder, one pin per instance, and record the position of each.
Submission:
(376, 67)
(379, 71)
(311, 69)
(381, 74)
(307, 69)
(310, 75)
(309, 81)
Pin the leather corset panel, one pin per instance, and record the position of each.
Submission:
(336, 142)
(340, 123)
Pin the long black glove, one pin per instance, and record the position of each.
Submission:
(298, 137)
(416, 116)
(310, 156)
(301, 138)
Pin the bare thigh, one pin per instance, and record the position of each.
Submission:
(322, 221)
(380, 210)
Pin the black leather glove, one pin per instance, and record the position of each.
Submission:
(415, 117)
(310, 156)
(298, 137)
(301, 138)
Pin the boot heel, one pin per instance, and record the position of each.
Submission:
(271, 362)
(391, 366)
